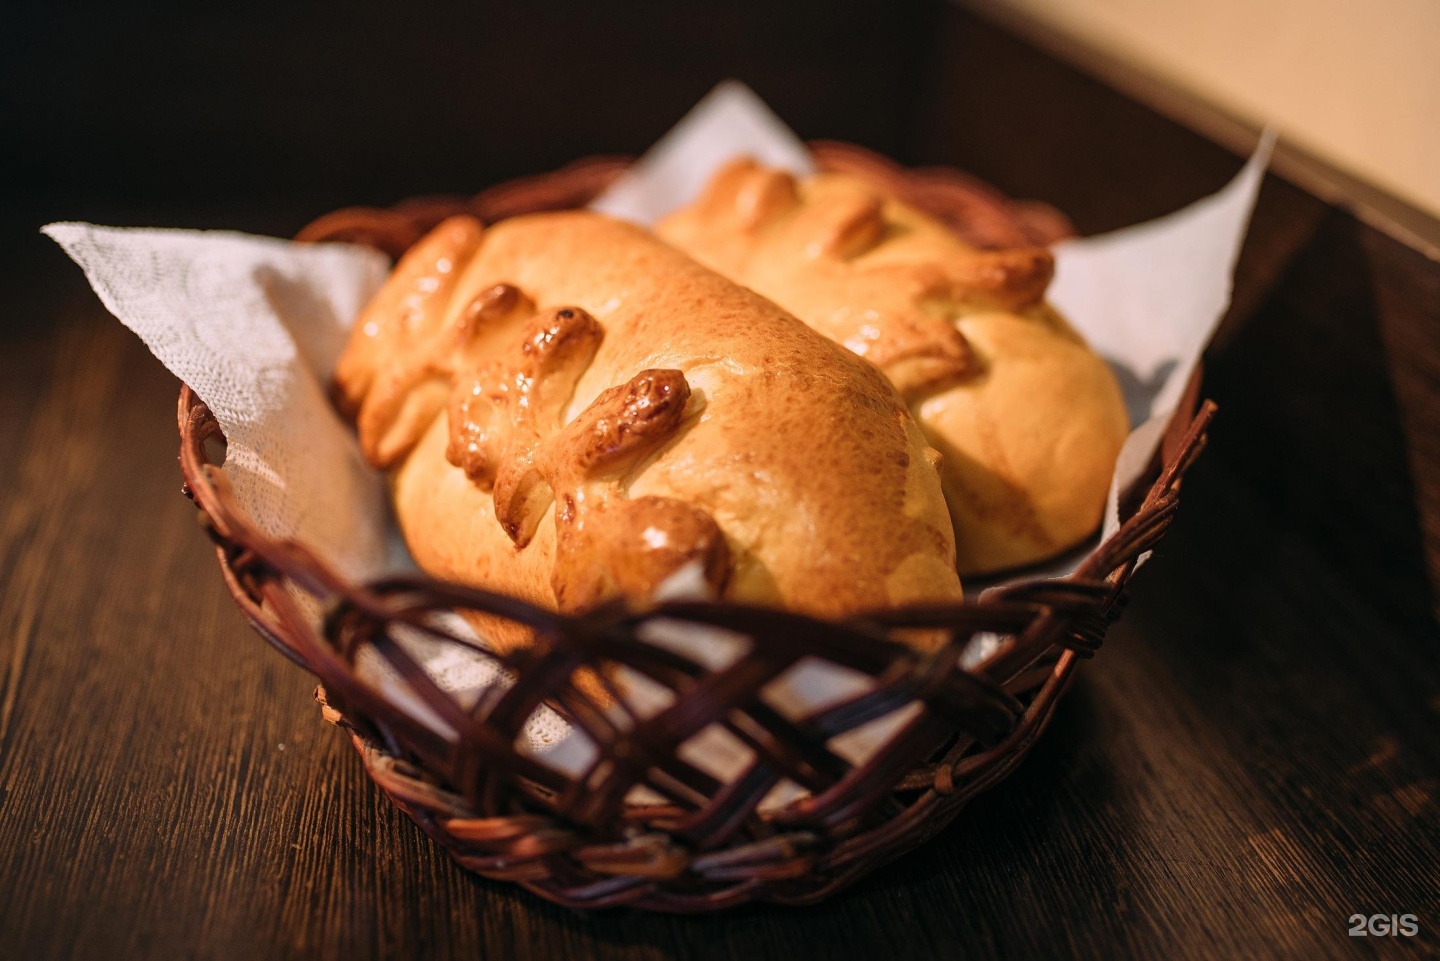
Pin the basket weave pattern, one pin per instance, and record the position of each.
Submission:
(705, 844)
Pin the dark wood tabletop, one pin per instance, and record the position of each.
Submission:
(1252, 758)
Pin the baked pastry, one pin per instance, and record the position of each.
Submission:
(1028, 420)
(571, 410)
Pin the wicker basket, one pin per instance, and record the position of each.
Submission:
(705, 844)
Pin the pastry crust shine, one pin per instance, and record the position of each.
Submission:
(571, 410)
(1029, 420)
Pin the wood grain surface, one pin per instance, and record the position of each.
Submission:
(1252, 758)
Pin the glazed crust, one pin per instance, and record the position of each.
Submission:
(1029, 420)
(570, 410)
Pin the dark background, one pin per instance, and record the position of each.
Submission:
(350, 102)
(1253, 756)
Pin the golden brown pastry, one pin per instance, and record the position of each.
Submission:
(571, 410)
(1029, 420)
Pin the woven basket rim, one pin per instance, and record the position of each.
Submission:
(505, 819)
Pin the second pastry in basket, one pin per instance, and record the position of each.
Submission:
(1027, 418)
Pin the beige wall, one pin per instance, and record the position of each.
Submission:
(1356, 82)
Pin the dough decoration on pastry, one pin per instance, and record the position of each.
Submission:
(507, 434)
(658, 416)
(1028, 419)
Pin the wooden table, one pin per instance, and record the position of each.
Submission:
(1253, 758)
